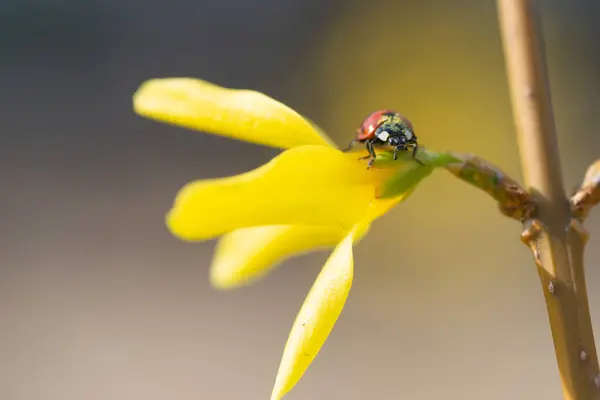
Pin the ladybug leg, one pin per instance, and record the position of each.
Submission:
(371, 149)
(414, 155)
(398, 149)
(371, 155)
(369, 146)
(350, 145)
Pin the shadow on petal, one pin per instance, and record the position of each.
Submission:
(239, 114)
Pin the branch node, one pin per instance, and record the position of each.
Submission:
(532, 231)
(588, 194)
(583, 356)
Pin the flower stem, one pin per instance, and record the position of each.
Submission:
(513, 201)
(556, 240)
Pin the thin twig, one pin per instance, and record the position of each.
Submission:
(557, 244)
(588, 194)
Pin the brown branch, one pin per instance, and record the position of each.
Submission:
(556, 243)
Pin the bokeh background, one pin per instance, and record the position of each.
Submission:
(99, 302)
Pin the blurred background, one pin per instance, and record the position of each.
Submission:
(99, 302)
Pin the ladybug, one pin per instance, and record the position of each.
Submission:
(386, 127)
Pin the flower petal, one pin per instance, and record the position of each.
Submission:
(318, 314)
(239, 114)
(324, 302)
(307, 185)
(245, 255)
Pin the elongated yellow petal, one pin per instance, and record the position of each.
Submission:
(245, 255)
(318, 315)
(307, 185)
(239, 114)
(325, 302)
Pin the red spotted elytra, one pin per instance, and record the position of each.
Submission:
(386, 127)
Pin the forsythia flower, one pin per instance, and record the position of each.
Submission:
(311, 196)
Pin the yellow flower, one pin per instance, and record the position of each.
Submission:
(310, 196)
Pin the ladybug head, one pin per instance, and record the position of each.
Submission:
(397, 140)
